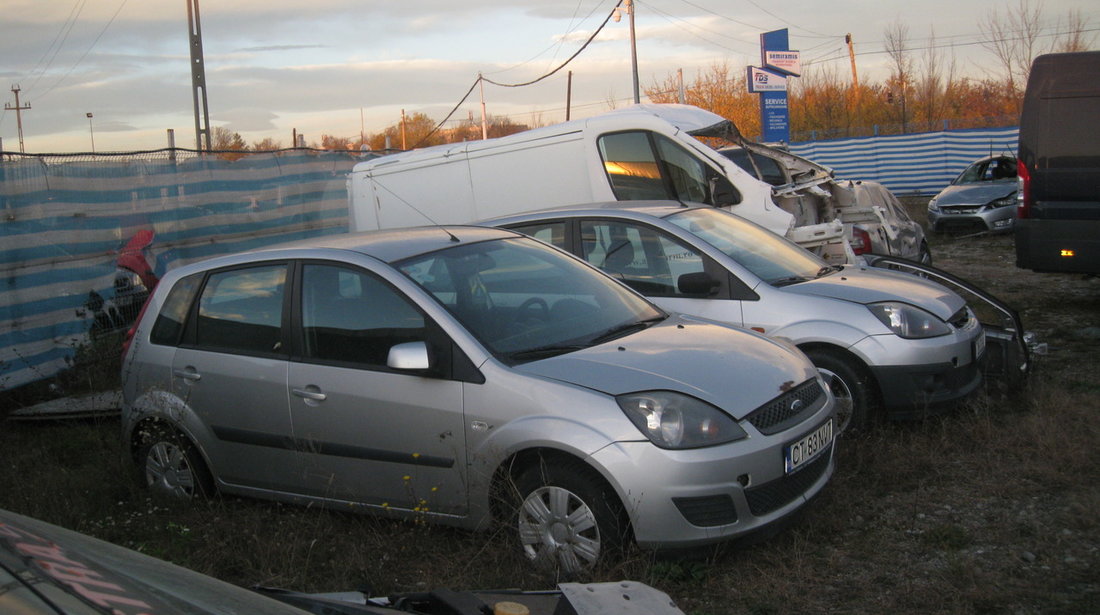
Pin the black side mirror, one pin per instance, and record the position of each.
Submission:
(722, 192)
(699, 283)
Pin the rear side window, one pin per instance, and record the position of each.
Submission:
(552, 233)
(241, 310)
(169, 324)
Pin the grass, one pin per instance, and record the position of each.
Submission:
(988, 509)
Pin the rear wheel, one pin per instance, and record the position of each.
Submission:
(568, 518)
(172, 467)
(850, 384)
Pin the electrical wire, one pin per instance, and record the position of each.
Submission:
(87, 51)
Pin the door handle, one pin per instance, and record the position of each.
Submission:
(311, 393)
(187, 374)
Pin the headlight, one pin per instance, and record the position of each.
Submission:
(1007, 201)
(932, 206)
(676, 421)
(908, 321)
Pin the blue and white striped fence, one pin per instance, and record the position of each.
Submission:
(64, 223)
(909, 164)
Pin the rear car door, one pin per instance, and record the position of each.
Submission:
(369, 433)
(230, 368)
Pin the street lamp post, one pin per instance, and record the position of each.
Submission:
(91, 133)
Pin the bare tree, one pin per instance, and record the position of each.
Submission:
(901, 77)
(1072, 36)
(1013, 39)
(934, 81)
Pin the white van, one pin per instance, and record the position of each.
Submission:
(637, 153)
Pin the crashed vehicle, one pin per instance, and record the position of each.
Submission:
(459, 375)
(642, 152)
(49, 570)
(981, 199)
(875, 222)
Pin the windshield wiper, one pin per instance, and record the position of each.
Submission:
(794, 279)
(542, 352)
(827, 269)
(625, 329)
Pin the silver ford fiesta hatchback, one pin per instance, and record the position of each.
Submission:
(462, 374)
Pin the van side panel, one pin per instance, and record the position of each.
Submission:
(515, 176)
(434, 189)
(1060, 148)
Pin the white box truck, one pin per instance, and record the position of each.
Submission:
(642, 152)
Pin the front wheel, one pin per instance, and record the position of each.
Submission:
(851, 386)
(171, 466)
(568, 519)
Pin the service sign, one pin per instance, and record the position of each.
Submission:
(786, 62)
(763, 80)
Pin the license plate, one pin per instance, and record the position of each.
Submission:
(979, 346)
(798, 454)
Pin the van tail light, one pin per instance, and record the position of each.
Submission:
(133, 328)
(861, 241)
(1023, 191)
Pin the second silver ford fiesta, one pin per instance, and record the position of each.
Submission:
(460, 374)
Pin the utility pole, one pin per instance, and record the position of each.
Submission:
(198, 78)
(18, 114)
(852, 58)
(633, 51)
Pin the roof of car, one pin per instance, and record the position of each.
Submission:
(657, 209)
(396, 244)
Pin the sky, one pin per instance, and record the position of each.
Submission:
(345, 67)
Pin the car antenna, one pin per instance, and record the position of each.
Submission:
(414, 208)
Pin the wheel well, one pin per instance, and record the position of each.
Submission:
(502, 493)
(145, 430)
(848, 356)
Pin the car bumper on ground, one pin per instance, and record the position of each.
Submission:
(685, 498)
(916, 391)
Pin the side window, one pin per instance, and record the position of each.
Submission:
(173, 314)
(649, 262)
(552, 233)
(241, 310)
(350, 316)
(688, 173)
(631, 166)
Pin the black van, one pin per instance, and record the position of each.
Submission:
(1058, 203)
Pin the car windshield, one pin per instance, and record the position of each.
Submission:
(525, 300)
(988, 171)
(767, 255)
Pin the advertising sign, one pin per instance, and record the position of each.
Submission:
(764, 80)
(785, 62)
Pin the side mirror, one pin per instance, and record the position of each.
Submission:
(409, 356)
(699, 283)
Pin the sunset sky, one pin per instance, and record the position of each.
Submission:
(341, 66)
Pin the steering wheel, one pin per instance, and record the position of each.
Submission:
(531, 309)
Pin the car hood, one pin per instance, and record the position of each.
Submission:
(63, 565)
(733, 369)
(871, 285)
(975, 194)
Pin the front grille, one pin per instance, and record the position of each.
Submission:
(765, 498)
(707, 511)
(789, 408)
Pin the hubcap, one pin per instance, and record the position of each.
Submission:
(845, 404)
(168, 471)
(557, 529)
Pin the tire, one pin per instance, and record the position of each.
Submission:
(171, 466)
(851, 385)
(567, 518)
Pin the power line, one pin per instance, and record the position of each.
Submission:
(87, 51)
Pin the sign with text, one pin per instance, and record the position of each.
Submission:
(785, 62)
(764, 80)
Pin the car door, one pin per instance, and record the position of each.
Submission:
(369, 433)
(230, 369)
